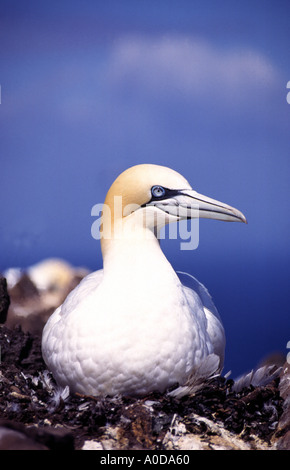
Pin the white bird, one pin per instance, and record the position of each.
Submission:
(136, 325)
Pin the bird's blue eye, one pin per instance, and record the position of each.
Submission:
(157, 191)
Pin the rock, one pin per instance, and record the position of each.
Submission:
(283, 429)
(4, 300)
(20, 350)
(212, 436)
(12, 439)
(284, 441)
(23, 290)
(92, 445)
(38, 291)
(16, 436)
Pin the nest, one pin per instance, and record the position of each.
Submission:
(31, 403)
(36, 414)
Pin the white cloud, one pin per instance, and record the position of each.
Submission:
(193, 68)
(155, 72)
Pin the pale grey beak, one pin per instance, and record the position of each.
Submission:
(188, 204)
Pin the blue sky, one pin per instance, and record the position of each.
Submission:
(90, 88)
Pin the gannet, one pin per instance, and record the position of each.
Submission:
(136, 325)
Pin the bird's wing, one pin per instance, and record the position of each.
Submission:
(215, 328)
(189, 281)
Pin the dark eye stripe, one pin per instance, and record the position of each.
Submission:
(168, 193)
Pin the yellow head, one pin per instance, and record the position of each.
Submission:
(149, 196)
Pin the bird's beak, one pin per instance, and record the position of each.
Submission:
(188, 204)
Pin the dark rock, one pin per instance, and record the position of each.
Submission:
(17, 436)
(23, 289)
(4, 300)
(19, 349)
(12, 439)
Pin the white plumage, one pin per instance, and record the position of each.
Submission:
(136, 325)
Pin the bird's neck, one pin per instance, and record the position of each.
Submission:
(134, 250)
